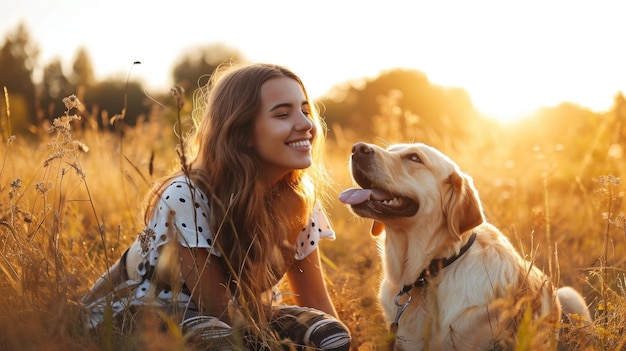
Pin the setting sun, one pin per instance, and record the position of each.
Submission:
(512, 58)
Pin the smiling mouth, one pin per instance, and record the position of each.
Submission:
(300, 143)
(376, 202)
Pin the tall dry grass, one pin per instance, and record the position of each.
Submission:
(70, 197)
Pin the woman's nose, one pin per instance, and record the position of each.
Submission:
(304, 122)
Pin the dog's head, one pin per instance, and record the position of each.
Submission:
(412, 183)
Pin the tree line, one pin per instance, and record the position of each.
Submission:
(399, 105)
(32, 102)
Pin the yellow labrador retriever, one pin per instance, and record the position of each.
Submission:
(451, 281)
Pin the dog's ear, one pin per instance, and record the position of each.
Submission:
(377, 228)
(464, 211)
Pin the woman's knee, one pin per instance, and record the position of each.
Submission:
(329, 334)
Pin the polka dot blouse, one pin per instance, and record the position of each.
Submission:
(193, 226)
(173, 218)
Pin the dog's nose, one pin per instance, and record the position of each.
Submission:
(361, 149)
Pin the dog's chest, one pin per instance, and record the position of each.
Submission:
(409, 311)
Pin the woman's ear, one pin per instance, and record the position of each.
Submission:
(464, 210)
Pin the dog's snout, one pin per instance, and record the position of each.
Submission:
(362, 163)
(361, 149)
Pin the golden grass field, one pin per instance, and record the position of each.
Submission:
(70, 201)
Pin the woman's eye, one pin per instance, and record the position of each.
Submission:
(415, 158)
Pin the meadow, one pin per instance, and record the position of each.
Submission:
(70, 203)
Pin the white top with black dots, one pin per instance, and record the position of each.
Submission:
(172, 217)
(173, 207)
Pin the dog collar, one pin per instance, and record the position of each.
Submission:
(430, 272)
(437, 265)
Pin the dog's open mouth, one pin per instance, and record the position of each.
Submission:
(379, 201)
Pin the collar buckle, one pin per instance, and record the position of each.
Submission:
(400, 308)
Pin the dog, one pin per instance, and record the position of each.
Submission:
(450, 279)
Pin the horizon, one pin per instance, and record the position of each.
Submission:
(512, 58)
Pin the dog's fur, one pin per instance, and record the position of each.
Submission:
(426, 209)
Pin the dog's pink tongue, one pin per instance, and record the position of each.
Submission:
(355, 196)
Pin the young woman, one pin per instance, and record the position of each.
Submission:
(245, 212)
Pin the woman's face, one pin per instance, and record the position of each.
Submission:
(283, 129)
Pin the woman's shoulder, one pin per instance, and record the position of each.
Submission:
(317, 228)
(182, 185)
(185, 206)
(181, 181)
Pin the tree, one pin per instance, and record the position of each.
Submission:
(83, 74)
(402, 106)
(201, 62)
(54, 87)
(106, 99)
(18, 57)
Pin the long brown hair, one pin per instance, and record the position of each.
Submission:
(254, 224)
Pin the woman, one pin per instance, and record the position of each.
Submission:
(243, 213)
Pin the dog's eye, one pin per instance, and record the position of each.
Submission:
(415, 158)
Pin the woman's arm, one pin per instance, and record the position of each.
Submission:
(206, 281)
(306, 278)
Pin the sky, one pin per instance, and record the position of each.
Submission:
(511, 56)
